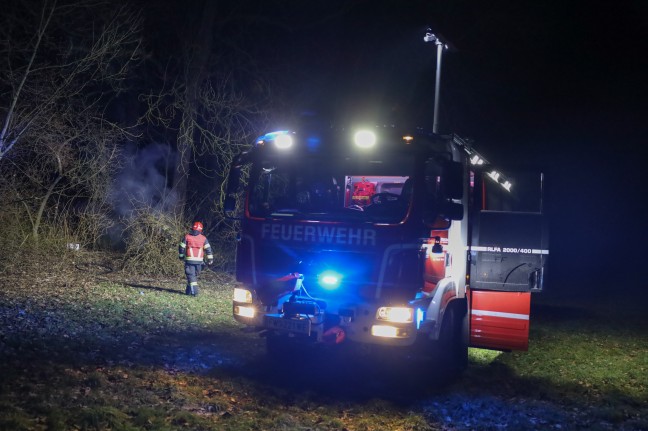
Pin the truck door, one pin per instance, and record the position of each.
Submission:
(508, 254)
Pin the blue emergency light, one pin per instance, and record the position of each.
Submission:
(329, 280)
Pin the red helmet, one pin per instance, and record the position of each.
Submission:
(197, 226)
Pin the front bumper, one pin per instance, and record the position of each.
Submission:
(358, 321)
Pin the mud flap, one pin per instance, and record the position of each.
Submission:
(499, 320)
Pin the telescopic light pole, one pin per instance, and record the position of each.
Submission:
(431, 37)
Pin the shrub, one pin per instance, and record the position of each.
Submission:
(152, 239)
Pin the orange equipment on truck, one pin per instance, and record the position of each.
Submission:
(386, 237)
(363, 190)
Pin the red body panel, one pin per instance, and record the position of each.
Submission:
(499, 320)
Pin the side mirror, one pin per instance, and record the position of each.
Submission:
(229, 205)
(452, 211)
(452, 177)
(231, 188)
(446, 210)
(437, 248)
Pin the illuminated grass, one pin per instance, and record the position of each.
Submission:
(79, 352)
(483, 356)
(592, 361)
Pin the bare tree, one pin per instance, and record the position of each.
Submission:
(63, 62)
(213, 99)
(49, 63)
(205, 102)
(216, 124)
(65, 173)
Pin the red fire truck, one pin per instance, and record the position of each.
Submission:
(385, 237)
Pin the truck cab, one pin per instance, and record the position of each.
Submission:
(382, 236)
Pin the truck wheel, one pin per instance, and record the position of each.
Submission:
(453, 340)
(463, 336)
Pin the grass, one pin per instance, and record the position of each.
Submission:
(90, 351)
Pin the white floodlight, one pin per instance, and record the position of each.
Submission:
(283, 141)
(365, 139)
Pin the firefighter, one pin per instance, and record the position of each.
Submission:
(192, 250)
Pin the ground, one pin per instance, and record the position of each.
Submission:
(84, 346)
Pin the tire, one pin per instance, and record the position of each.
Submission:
(453, 339)
(462, 337)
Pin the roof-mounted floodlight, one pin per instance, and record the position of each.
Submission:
(281, 139)
(365, 139)
(476, 160)
(500, 179)
(494, 175)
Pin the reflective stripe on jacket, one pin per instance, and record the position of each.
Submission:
(192, 248)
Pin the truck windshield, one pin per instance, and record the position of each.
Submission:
(332, 189)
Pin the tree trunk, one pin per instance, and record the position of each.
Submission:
(41, 208)
(195, 73)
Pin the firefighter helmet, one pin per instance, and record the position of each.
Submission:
(197, 226)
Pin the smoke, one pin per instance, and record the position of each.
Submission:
(144, 180)
(142, 186)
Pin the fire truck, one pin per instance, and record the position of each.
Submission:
(385, 237)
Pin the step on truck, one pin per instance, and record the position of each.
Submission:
(385, 237)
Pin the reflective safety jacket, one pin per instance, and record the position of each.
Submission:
(193, 248)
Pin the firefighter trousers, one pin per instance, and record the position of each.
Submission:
(192, 271)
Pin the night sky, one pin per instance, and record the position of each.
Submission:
(556, 84)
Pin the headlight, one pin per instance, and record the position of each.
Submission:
(387, 331)
(244, 311)
(395, 314)
(242, 295)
